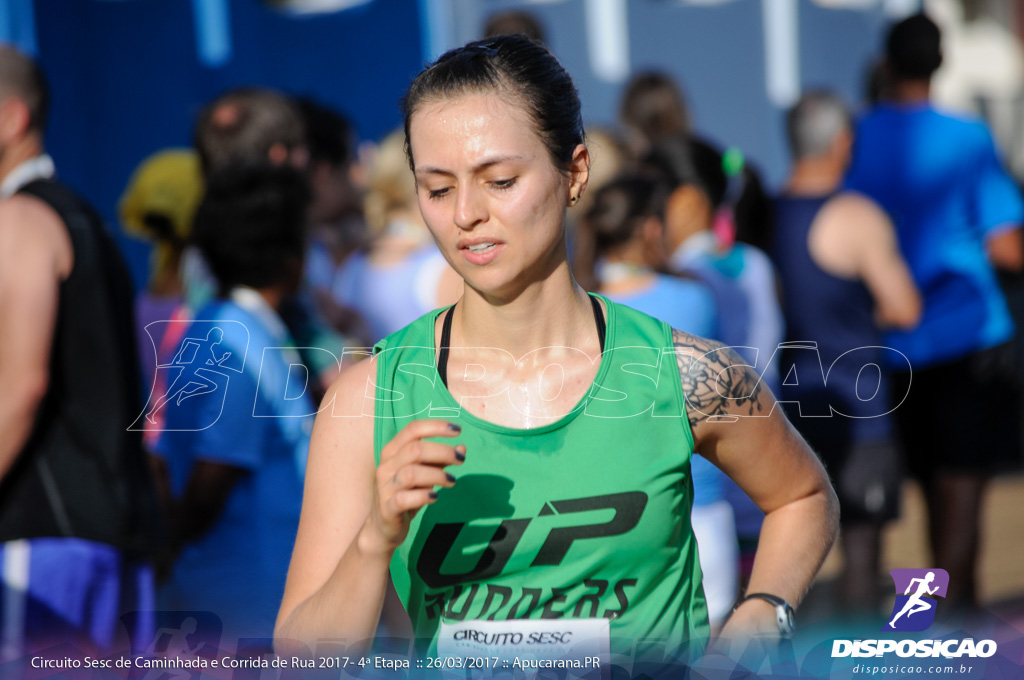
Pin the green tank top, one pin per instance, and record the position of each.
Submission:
(587, 517)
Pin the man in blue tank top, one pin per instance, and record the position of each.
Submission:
(841, 270)
(957, 215)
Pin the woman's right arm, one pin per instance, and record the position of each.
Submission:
(355, 514)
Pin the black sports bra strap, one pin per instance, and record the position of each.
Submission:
(599, 320)
(446, 340)
(446, 337)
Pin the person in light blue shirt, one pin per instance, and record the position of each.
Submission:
(740, 276)
(957, 215)
(235, 453)
(627, 236)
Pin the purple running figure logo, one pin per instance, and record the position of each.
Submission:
(914, 609)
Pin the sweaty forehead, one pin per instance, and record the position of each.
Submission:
(471, 126)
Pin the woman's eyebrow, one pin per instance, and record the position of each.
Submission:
(479, 167)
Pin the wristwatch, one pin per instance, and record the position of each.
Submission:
(783, 611)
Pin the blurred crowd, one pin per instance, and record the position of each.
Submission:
(865, 292)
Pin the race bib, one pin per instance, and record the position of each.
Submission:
(579, 646)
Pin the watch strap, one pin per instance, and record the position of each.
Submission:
(767, 597)
(783, 610)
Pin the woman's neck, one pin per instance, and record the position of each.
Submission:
(553, 312)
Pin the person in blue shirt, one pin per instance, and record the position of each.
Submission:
(259, 125)
(957, 215)
(235, 454)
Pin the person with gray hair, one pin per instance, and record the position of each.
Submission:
(814, 123)
(840, 270)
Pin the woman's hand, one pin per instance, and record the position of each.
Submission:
(409, 470)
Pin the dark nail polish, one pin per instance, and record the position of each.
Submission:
(433, 494)
(454, 428)
(460, 456)
(450, 476)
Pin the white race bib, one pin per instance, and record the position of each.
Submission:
(579, 645)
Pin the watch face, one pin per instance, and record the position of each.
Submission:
(790, 622)
(783, 612)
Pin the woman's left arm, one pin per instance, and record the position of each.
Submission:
(738, 426)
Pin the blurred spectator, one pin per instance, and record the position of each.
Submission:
(982, 70)
(235, 446)
(840, 269)
(254, 125)
(336, 212)
(245, 125)
(401, 275)
(250, 125)
(957, 213)
(654, 109)
(608, 159)
(740, 276)
(158, 205)
(515, 22)
(625, 223)
(77, 507)
(337, 226)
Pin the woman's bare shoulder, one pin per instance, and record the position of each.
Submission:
(349, 402)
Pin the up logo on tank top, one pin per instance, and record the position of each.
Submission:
(628, 507)
(450, 541)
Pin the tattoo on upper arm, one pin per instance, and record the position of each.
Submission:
(717, 382)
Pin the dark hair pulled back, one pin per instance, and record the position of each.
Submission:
(681, 160)
(620, 208)
(513, 65)
(250, 225)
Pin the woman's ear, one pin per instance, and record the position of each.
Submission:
(579, 173)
